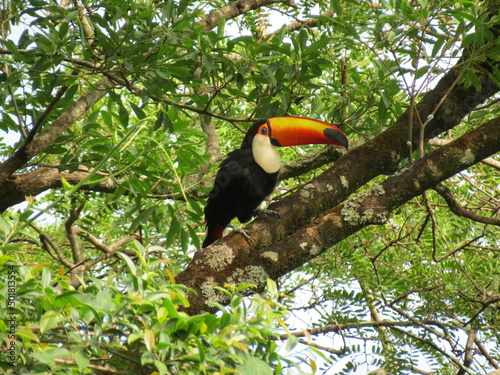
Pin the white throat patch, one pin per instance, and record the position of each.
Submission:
(265, 154)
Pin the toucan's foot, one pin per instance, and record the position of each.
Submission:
(262, 211)
(241, 231)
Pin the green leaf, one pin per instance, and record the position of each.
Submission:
(13, 49)
(160, 366)
(138, 111)
(149, 339)
(49, 356)
(268, 73)
(302, 40)
(291, 342)
(49, 320)
(82, 361)
(252, 366)
(130, 264)
(221, 28)
(46, 278)
(28, 333)
(141, 218)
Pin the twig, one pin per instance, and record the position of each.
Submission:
(462, 211)
(324, 348)
(74, 214)
(53, 244)
(435, 347)
(469, 352)
(485, 352)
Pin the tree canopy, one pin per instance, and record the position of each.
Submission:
(383, 258)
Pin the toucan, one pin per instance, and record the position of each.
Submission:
(249, 174)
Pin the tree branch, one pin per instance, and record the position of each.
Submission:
(488, 161)
(336, 328)
(469, 352)
(71, 233)
(44, 139)
(234, 9)
(462, 211)
(311, 22)
(325, 348)
(18, 186)
(44, 237)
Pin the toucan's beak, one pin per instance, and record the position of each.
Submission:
(293, 131)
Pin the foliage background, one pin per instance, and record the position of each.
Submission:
(121, 111)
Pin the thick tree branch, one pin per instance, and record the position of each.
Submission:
(234, 9)
(15, 189)
(375, 205)
(488, 161)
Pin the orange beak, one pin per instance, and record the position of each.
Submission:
(293, 131)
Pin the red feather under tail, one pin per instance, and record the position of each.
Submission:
(214, 232)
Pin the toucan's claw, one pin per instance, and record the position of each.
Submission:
(263, 211)
(241, 231)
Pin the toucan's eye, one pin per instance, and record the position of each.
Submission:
(264, 130)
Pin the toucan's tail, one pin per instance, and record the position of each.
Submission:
(214, 232)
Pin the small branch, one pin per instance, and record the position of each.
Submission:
(47, 111)
(102, 246)
(74, 214)
(462, 211)
(312, 22)
(434, 227)
(108, 250)
(461, 247)
(53, 244)
(102, 370)
(469, 352)
(485, 353)
(404, 296)
(431, 344)
(324, 348)
(484, 302)
(302, 283)
(360, 324)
